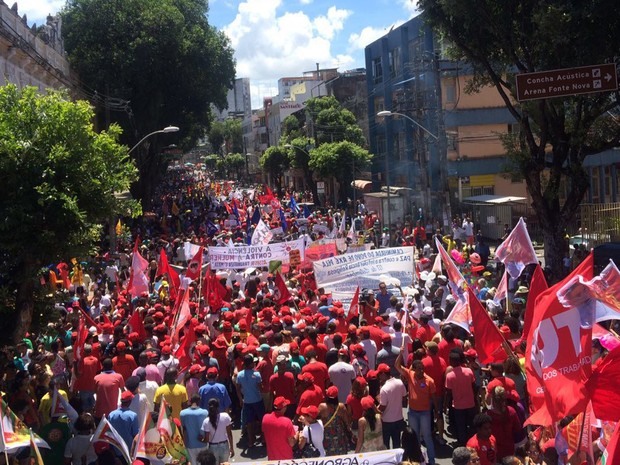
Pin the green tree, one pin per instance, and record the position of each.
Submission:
(275, 161)
(299, 154)
(226, 136)
(217, 137)
(211, 161)
(160, 56)
(332, 123)
(292, 128)
(556, 135)
(231, 165)
(341, 160)
(59, 179)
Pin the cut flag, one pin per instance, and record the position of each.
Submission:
(460, 314)
(262, 234)
(182, 316)
(194, 267)
(489, 341)
(35, 453)
(517, 251)
(172, 437)
(281, 293)
(603, 389)
(354, 306)
(611, 456)
(456, 279)
(538, 285)
(164, 268)
(502, 289)
(137, 325)
(105, 432)
(14, 433)
(138, 278)
(149, 443)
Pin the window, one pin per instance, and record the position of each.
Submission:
(377, 70)
(595, 185)
(379, 104)
(394, 59)
(415, 48)
(381, 144)
(450, 87)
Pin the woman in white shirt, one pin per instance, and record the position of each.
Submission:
(312, 426)
(79, 449)
(217, 429)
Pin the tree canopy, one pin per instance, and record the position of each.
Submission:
(59, 179)
(332, 123)
(275, 161)
(160, 57)
(499, 39)
(231, 165)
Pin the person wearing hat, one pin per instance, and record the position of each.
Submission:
(421, 388)
(265, 368)
(167, 360)
(391, 397)
(369, 428)
(342, 374)
(248, 388)
(311, 394)
(388, 354)
(193, 377)
(192, 419)
(282, 384)
(139, 404)
(123, 362)
(336, 422)
(214, 390)
(280, 434)
(86, 369)
(312, 431)
(124, 420)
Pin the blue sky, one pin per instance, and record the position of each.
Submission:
(278, 38)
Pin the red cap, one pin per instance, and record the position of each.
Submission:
(227, 327)
(127, 396)
(203, 349)
(212, 371)
(361, 381)
(386, 338)
(195, 369)
(280, 402)
(471, 353)
(383, 368)
(343, 352)
(121, 346)
(293, 346)
(372, 374)
(166, 350)
(332, 392)
(378, 320)
(311, 411)
(367, 402)
(306, 377)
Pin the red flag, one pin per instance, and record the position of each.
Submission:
(88, 318)
(81, 339)
(354, 306)
(213, 290)
(281, 293)
(164, 268)
(604, 288)
(488, 338)
(183, 353)
(557, 359)
(63, 270)
(538, 285)
(182, 316)
(502, 289)
(138, 280)
(137, 325)
(195, 266)
(517, 250)
(603, 387)
(460, 314)
(454, 275)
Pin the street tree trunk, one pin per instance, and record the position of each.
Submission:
(24, 305)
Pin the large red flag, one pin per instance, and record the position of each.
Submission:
(183, 315)
(163, 267)
(354, 306)
(460, 314)
(213, 290)
(138, 281)
(81, 339)
(281, 293)
(603, 387)
(183, 353)
(454, 275)
(557, 359)
(137, 325)
(488, 338)
(194, 266)
(538, 285)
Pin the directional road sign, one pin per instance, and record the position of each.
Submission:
(569, 81)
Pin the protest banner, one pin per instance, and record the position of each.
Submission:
(341, 274)
(253, 256)
(384, 457)
(320, 251)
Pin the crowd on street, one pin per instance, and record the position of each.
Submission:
(148, 332)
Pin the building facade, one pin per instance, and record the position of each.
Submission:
(239, 100)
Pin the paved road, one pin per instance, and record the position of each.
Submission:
(443, 453)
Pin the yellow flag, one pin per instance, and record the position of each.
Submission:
(119, 227)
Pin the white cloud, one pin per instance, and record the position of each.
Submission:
(37, 10)
(359, 41)
(305, 2)
(270, 44)
(411, 6)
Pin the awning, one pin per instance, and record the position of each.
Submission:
(362, 185)
(396, 190)
(493, 199)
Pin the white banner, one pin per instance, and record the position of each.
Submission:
(383, 457)
(253, 256)
(341, 274)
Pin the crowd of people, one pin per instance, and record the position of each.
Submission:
(302, 378)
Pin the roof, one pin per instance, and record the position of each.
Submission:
(362, 184)
(493, 199)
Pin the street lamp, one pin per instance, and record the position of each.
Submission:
(394, 113)
(166, 130)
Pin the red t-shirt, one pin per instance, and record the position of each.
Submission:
(425, 333)
(277, 430)
(445, 347)
(107, 385)
(507, 383)
(355, 403)
(265, 368)
(124, 364)
(319, 371)
(505, 426)
(435, 367)
(460, 381)
(486, 448)
(283, 384)
(88, 368)
(313, 396)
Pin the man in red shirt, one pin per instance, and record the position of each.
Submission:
(483, 441)
(425, 332)
(311, 394)
(435, 367)
(87, 368)
(448, 342)
(282, 384)
(498, 379)
(505, 424)
(317, 369)
(265, 368)
(123, 363)
(279, 432)
(107, 386)
(460, 394)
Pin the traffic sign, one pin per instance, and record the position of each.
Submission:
(568, 81)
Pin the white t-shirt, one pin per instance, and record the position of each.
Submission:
(111, 272)
(81, 446)
(218, 434)
(342, 374)
(371, 352)
(317, 435)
